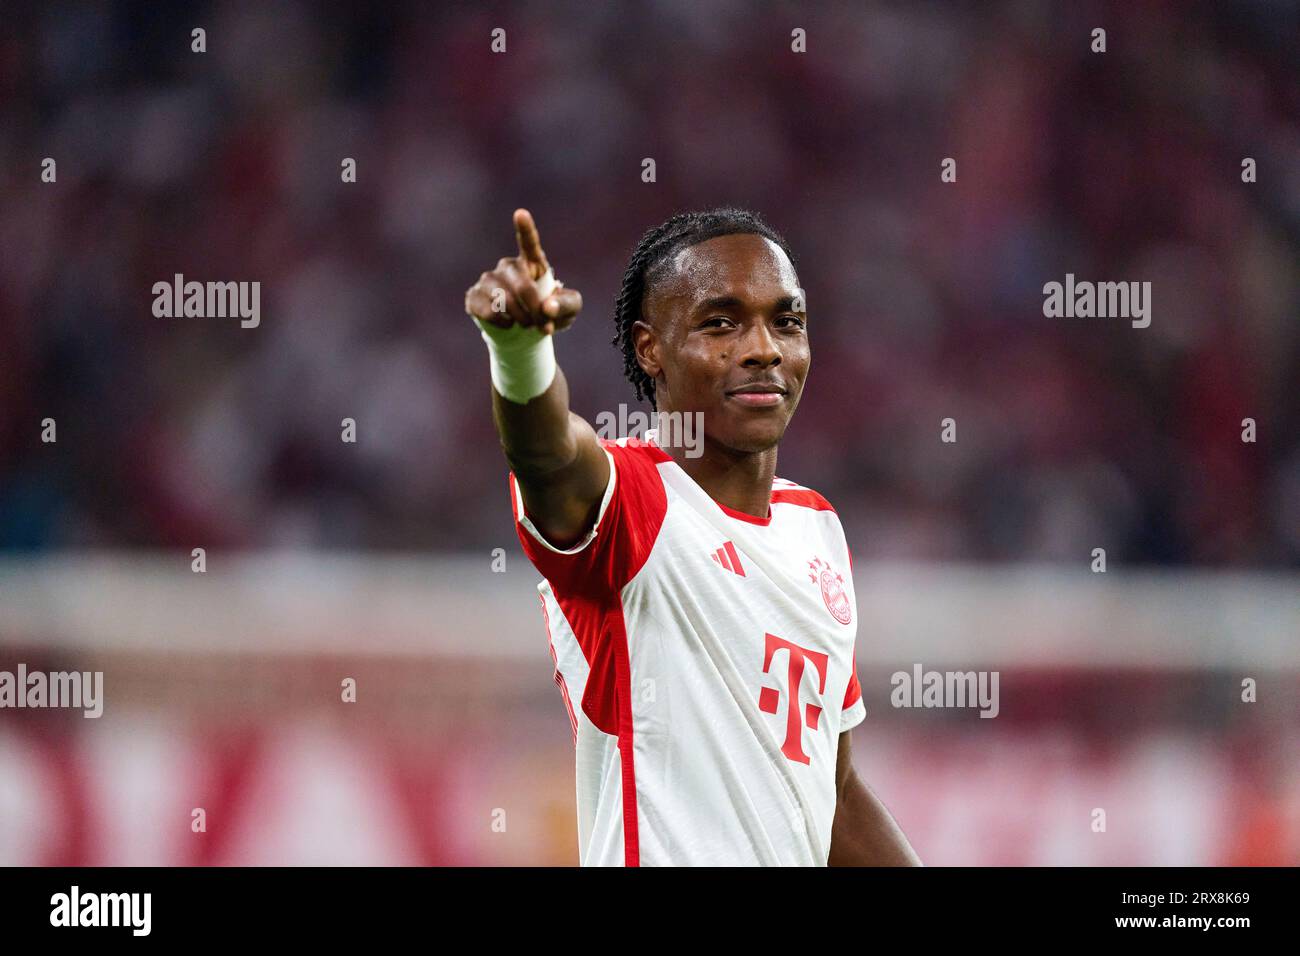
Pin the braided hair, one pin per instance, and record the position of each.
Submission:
(655, 250)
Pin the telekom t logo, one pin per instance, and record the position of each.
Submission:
(768, 697)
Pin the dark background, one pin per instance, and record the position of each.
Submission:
(925, 298)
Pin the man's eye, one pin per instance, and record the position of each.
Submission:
(716, 321)
(792, 318)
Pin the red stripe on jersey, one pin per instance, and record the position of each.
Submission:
(804, 497)
(607, 698)
(568, 705)
(854, 692)
(735, 559)
(764, 522)
(588, 586)
(631, 831)
(559, 678)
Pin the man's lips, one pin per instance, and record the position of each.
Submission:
(758, 394)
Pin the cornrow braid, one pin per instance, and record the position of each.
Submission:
(656, 248)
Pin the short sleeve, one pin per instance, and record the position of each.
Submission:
(854, 711)
(626, 527)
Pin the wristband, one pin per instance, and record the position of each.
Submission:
(521, 358)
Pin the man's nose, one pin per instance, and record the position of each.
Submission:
(760, 348)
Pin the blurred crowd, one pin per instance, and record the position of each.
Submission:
(925, 298)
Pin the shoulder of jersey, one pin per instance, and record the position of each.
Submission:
(788, 492)
(784, 491)
(637, 446)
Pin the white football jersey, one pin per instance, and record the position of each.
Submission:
(706, 660)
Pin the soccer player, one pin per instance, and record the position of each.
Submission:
(700, 610)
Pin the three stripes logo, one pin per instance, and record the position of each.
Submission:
(729, 559)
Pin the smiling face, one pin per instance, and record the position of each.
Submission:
(720, 334)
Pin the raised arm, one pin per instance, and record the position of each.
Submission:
(556, 458)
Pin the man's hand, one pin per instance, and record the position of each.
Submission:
(556, 458)
(508, 294)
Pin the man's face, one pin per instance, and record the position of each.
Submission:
(724, 333)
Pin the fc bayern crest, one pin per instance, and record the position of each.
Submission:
(832, 585)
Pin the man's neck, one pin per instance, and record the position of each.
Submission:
(740, 480)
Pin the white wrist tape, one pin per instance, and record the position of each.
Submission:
(521, 358)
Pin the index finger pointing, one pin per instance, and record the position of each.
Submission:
(530, 244)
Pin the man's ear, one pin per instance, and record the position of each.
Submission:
(646, 344)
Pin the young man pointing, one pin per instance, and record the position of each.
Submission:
(700, 610)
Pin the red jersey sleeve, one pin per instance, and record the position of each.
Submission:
(627, 524)
(854, 710)
(854, 692)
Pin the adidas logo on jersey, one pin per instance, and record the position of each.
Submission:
(729, 559)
